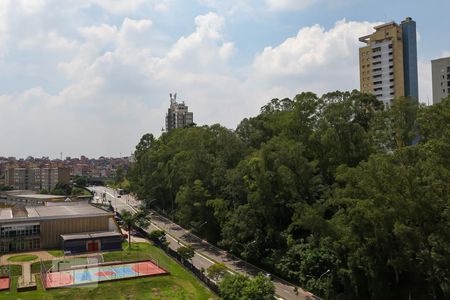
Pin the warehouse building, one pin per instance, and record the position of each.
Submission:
(72, 228)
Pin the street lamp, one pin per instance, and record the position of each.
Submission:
(201, 225)
(324, 273)
(147, 203)
(246, 246)
(197, 228)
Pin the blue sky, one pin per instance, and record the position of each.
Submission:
(91, 76)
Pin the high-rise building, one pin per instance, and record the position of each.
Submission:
(388, 62)
(178, 115)
(440, 70)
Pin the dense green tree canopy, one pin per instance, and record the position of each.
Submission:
(335, 193)
(240, 287)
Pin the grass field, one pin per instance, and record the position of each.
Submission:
(16, 270)
(180, 284)
(22, 258)
(56, 253)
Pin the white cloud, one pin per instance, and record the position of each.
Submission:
(118, 88)
(314, 47)
(135, 25)
(204, 49)
(51, 41)
(289, 4)
(32, 6)
(315, 59)
(117, 6)
(117, 76)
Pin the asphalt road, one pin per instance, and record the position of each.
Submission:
(205, 253)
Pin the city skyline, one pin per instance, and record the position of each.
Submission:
(91, 78)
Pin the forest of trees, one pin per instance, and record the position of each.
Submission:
(313, 184)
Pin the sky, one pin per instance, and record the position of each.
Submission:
(90, 77)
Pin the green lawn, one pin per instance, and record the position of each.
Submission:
(64, 263)
(16, 270)
(22, 258)
(56, 253)
(180, 284)
(36, 267)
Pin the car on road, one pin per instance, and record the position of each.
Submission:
(135, 233)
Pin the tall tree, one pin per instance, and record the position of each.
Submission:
(136, 220)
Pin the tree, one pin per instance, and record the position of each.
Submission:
(186, 252)
(62, 189)
(144, 144)
(232, 286)
(311, 184)
(136, 220)
(217, 271)
(160, 236)
(80, 181)
(434, 121)
(120, 175)
(238, 286)
(259, 288)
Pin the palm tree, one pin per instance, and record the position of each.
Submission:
(139, 219)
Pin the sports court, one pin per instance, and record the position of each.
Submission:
(94, 274)
(4, 283)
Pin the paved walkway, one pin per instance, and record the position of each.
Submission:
(43, 255)
(27, 279)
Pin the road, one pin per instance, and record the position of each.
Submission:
(205, 253)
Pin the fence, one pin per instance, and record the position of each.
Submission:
(187, 264)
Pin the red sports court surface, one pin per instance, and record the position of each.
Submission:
(4, 283)
(101, 273)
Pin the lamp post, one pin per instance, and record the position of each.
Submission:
(324, 273)
(147, 203)
(246, 246)
(201, 225)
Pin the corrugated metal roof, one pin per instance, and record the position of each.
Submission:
(49, 212)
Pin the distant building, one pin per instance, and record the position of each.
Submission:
(35, 178)
(388, 64)
(32, 198)
(178, 115)
(440, 70)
